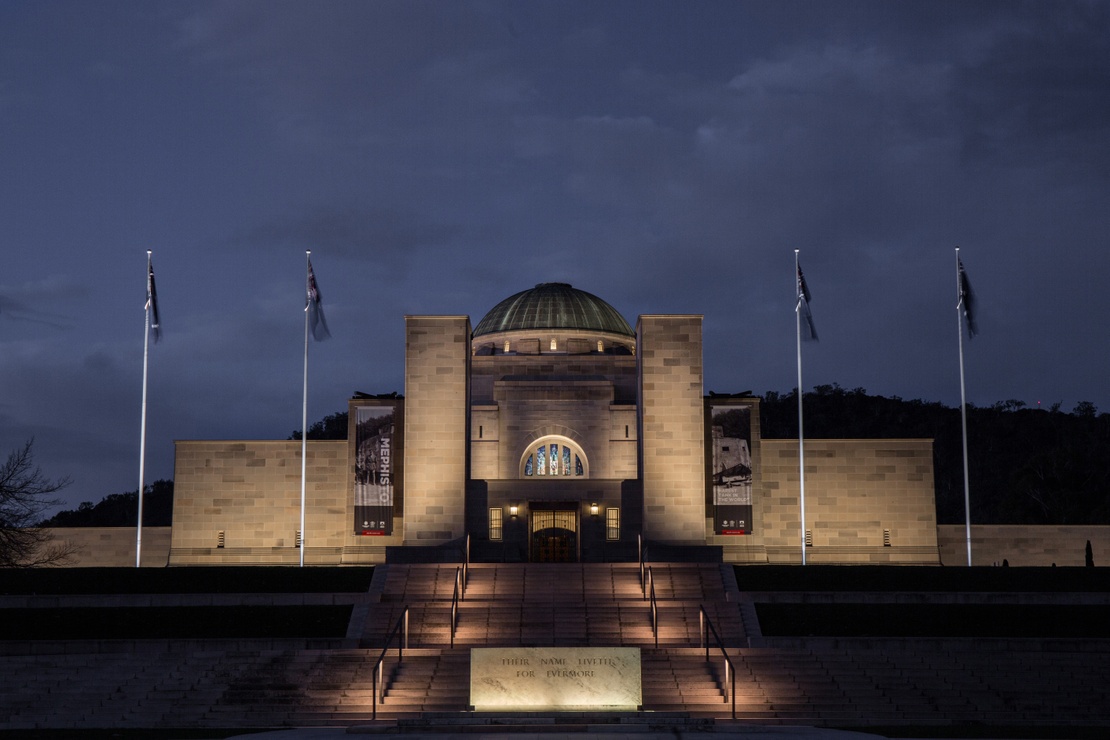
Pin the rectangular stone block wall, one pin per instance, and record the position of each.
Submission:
(576, 409)
(624, 443)
(484, 441)
(1024, 545)
(487, 370)
(855, 489)
(672, 427)
(113, 547)
(251, 491)
(437, 353)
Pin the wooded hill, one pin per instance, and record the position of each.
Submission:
(121, 509)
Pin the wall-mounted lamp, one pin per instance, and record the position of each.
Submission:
(593, 509)
(512, 511)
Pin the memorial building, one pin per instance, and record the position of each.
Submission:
(554, 430)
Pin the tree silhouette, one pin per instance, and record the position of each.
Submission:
(121, 509)
(332, 426)
(25, 493)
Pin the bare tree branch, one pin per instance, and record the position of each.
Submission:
(25, 493)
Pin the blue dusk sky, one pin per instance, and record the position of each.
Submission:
(437, 157)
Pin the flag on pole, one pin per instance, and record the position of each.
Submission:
(967, 301)
(152, 302)
(315, 308)
(809, 331)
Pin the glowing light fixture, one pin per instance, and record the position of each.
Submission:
(593, 509)
(512, 510)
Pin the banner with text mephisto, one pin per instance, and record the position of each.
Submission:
(374, 470)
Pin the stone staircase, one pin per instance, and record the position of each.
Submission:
(829, 682)
(541, 605)
(788, 681)
(553, 605)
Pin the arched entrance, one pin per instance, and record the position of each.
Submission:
(553, 529)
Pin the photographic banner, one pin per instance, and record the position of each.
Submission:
(731, 429)
(374, 454)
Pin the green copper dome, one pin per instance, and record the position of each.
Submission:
(553, 306)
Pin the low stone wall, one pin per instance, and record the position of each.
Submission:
(114, 547)
(239, 503)
(868, 501)
(1023, 545)
(1019, 545)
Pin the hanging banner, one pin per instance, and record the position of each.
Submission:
(731, 430)
(374, 455)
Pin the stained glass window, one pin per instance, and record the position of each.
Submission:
(553, 458)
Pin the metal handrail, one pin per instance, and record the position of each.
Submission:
(377, 672)
(456, 597)
(640, 556)
(730, 670)
(465, 568)
(654, 606)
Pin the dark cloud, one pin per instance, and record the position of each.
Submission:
(666, 156)
(1036, 93)
(13, 310)
(377, 236)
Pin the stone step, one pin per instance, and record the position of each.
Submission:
(784, 682)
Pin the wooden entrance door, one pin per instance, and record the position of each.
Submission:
(554, 535)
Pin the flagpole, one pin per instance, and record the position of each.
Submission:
(142, 425)
(304, 409)
(801, 436)
(963, 405)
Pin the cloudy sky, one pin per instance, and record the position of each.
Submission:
(437, 157)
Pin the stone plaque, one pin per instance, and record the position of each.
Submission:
(555, 678)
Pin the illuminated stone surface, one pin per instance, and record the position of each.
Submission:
(555, 678)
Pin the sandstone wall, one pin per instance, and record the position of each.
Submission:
(672, 432)
(251, 493)
(867, 501)
(1039, 545)
(114, 547)
(437, 367)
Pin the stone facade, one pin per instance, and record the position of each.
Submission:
(1019, 545)
(113, 547)
(867, 501)
(672, 431)
(240, 502)
(588, 399)
(437, 372)
(558, 371)
(574, 389)
(1024, 545)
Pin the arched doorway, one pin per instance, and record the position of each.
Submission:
(554, 532)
